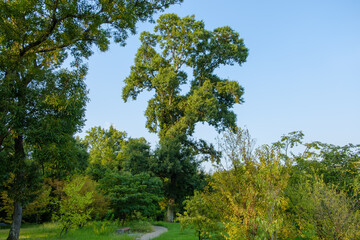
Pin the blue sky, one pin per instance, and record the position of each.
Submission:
(302, 73)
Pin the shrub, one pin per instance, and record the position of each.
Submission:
(322, 209)
(203, 214)
(74, 206)
(132, 193)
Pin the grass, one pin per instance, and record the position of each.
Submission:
(31, 231)
(98, 231)
(174, 232)
(51, 231)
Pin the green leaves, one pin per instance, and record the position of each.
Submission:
(130, 193)
(74, 206)
(40, 105)
(322, 209)
(105, 145)
(201, 215)
(246, 196)
(162, 63)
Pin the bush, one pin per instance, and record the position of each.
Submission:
(140, 226)
(203, 214)
(132, 193)
(74, 206)
(322, 209)
(246, 197)
(104, 227)
(100, 204)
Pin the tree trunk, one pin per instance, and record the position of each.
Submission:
(170, 214)
(16, 222)
(17, 214)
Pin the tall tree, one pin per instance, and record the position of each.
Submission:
(175, 163)
(36, 37)
(43, 115)
(161, 64)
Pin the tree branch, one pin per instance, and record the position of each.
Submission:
(44, 36)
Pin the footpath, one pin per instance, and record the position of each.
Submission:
(158, 231)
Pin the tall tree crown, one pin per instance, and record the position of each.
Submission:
(176, 45)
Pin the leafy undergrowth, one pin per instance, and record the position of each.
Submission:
(174, 232)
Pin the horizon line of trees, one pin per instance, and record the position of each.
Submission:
(266, 192)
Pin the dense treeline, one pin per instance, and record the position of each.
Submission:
(263, 193)
(114, 177)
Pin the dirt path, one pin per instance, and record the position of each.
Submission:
(158, 231)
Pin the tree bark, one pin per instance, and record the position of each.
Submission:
(170, 214)
(17, 214)
(16, 222)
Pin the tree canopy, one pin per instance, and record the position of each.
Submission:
(161, 65)
(42, 105)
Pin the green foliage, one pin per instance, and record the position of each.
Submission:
(323, 189)
(288, 142)
(7, 207)
(39, 206)
(254, 195)
(160, 63)
(110, 150)
(140, 226)
(247, 196)
(175, 163)
(136, 156)
(60, 162)
(339, 166)
(74, 205)
(201, 215)
(42, 105)
(45, 29)
(130, 193)
(104, 148)
(104, 227)
(100, 204)
(104, 145)
(322, 209)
